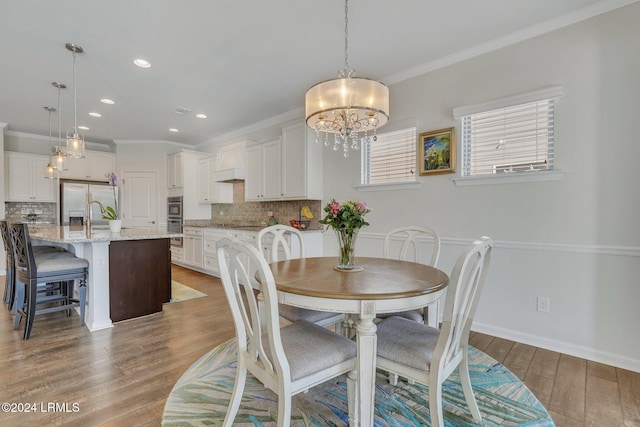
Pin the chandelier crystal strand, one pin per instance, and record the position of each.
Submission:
(346, 106)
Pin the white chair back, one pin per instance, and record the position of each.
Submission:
(463, 293)
(410, 243)
(273, 239)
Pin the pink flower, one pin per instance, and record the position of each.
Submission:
(335, 207)
(362, 206)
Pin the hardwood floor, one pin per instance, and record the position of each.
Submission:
(122, 376)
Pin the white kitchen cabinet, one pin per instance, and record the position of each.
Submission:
(175, 167)
(177, 254)
(192, 247)
(25, 178)
(94, 166)
(210, 191)
(211, 238)
(263, 175)
(301, 164)
(182, 180)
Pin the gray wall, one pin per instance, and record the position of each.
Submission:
(576, 240)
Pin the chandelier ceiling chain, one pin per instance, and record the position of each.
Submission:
(347, 106)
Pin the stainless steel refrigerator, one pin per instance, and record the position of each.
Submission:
(73, 198)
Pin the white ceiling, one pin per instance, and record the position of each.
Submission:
(238, 61)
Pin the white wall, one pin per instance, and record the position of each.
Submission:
(577, 240)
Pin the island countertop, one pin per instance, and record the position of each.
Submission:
(63, 234)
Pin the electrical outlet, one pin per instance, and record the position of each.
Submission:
(221, 213)
(269, 213)
(543, 304)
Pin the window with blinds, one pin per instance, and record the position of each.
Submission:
(390, 158)
(513, 139)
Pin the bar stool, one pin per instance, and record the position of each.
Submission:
(11, 273)
(35, 272)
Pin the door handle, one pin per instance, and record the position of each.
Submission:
(152, 222)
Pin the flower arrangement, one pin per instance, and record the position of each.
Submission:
(347, 215)
(346, 219)
(111, 213)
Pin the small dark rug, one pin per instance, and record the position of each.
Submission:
(201, 397)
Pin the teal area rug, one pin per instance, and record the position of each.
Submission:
(201, 397)
(180, 292)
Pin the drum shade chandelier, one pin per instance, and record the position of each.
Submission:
(75, 139)
(348, 107)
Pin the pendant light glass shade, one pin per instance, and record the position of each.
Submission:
(75, 139)
(348, 107)
(59, 156)
(50, 171)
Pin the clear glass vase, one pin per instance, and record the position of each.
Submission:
(347, 245)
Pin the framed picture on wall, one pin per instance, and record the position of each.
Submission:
(437, 151)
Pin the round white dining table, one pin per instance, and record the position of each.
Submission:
(382, 286)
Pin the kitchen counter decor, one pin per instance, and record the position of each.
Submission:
(346, 219)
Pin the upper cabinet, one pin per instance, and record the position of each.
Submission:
(263, 174)
(175, 166)
(286, 168)
(25, 178)
(94, 166)
(210, 191)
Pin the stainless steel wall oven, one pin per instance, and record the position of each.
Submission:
(174, 219)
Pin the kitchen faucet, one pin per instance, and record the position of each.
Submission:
(89, 203)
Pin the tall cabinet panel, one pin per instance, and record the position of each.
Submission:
(263, 173)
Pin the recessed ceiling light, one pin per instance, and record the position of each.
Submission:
(201, 116)
(173, 130)
(93, 114)
(83, 127)
(142, 63)
(107, 101)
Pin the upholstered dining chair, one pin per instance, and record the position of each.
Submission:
(287, 360)
(409, 250)
(281, 242)
(36, 271)
(428, 355)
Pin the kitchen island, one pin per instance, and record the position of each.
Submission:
(129, 272)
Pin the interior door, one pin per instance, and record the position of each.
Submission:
(139, 204)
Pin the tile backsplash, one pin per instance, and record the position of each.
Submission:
(44, 213)
(257, 213)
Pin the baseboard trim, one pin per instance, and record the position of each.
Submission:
(560, 347)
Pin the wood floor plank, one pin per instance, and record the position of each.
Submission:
(568, 394)
(629, 386)
(602, 402)
(123, 376)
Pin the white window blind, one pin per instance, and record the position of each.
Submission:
(517, 138)
(390, 158)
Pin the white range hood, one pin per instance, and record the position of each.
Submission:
(231, 163)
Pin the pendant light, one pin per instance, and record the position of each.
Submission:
(50, 171)
(59, 155)
(347, 106)
(75, 139)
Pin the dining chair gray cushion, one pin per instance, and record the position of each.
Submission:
(414, 315)
(294, 314)
(407, 342)
(328, 349)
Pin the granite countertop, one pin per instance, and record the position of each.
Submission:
(242, 227)
(63, 234)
